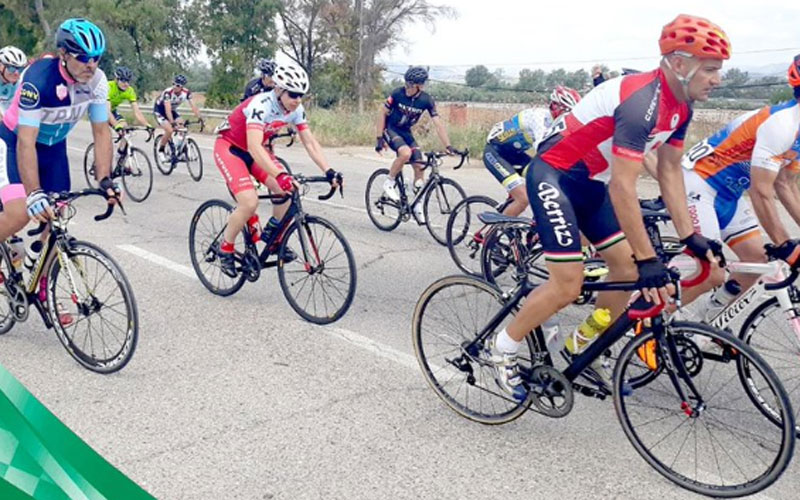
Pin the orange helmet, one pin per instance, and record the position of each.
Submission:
(794, 72)
(695, 36)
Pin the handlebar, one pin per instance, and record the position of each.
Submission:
(770, 250)
(65, 198)
(291, 133)
(128, 130)
(187, 123)
(435, 155)
(302, 180)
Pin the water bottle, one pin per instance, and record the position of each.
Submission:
(255, 227)
(551, 330)
(178, 142)
(592, 326)
(721, 297)
(17, 248)
(32, 254)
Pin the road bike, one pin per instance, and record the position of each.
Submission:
(181, 149)
(130, 164)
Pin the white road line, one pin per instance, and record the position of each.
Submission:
(159, 260)
(348, 336)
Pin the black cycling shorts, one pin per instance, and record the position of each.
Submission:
(399, 138)
(566, 203)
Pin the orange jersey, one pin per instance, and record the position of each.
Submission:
(766, 138)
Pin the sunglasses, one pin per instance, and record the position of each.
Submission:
(14, 69)
(295, 95)
(120, 80)
(85, 59)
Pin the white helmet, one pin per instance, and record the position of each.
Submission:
(291, 77)
(12, 56)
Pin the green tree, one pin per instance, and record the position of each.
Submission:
(531, 79)
(236, 33)
(477, 76)
(578, 80)
(556, 77)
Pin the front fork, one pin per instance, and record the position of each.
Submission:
(676, 370)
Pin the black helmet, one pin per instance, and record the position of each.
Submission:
(123, 74)
(179, 80)
(417, 74)
(266, 66)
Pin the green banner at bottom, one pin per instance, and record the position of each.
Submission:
(42, 458)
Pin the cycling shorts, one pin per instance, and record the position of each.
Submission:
(508, 166)
(566, 203)
(117, 116)
(161, 119)
(399, 138)
(53, 167)
(718, 215)
(237, 165)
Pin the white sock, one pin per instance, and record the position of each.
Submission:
(506, 344)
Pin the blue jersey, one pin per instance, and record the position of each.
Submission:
(48, 99)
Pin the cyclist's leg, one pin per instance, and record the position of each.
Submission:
(559, 234)
(703, 207)
(166, 127)
(417, 162)
(234, 171)
(398, 144)
(504, 170)
(14, 215)
(743, 236)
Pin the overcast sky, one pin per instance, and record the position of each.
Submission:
(516, 34)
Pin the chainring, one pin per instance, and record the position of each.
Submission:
(550, 392)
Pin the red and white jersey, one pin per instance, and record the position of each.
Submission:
(627, 117)
(260, 112)
(175, 98)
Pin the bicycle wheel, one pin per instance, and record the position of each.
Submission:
(775, 338)
(194, 160)
(167, 166)
(93, 309)
(440, 200)
(383, 212)
(137, 175)
(510, 253)
(466, 233)
(7, 320)
(88, 166)
(205, 234)
(446, 319)
(320, 282)
(716, 442)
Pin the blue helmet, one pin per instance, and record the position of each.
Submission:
(81, 37)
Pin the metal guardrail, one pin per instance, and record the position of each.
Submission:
(208, 112)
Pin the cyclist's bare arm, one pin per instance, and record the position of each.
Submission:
(259, 153)
(382, 114)
(27, 160)
(441, 131)
(651, 164)
(789, 192)
(313, 148)
(670, 181)
(762, 195)
(138, 114)
(622, 189)
(102, 149)
(194, 109)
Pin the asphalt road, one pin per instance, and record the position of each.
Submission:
(237, 397)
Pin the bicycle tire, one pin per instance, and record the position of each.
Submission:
(441, 372)
(165, 168)
(436, 215)
(319, 263)
(783, 355)
(141, 168)
(383, 212)
(7, 320)
(203, 251)
(502, 266)
(711, 418)
(464, 242)
(195, 174)
(92, 301)
(88, 166)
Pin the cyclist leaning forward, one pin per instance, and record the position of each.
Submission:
(511, 143)
(119, 91)
(165, 110)
(757, 152)
(239, 152)
(402, 109)
(53, 95)
(584, 179)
